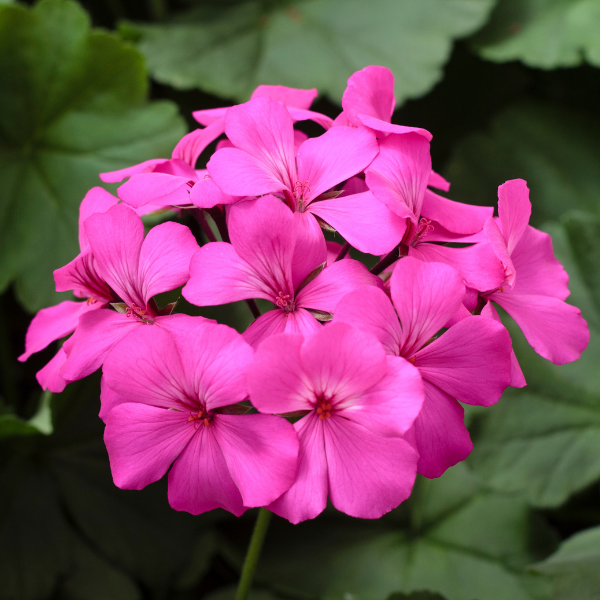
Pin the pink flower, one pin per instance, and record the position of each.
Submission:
(535, 284)
(270, 257)
(178, 396)
(263, 161)
(136, 269)
(55, 322)
(470, 361)
(358, 404)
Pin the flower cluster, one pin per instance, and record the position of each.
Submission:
(351, 384)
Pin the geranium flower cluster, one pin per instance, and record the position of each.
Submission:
(351, 384)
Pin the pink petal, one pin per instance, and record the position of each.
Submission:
(470, 361)
(496, 240)
(333, 283)
(155, 188)
(116, 238)
(386, 127)
(299, 114)
(291, 97)
(206, 194)
(400, 173)
(49, 376)
(271, 323)
(369, 92)
(514, 209)
(81, 275)
(438, 182)
(368, 474)
(455, 216)
(299, 138)
(310, 250)
(333, 251)
(477, 264)
(333, 157)
(390, 407)
(108, 399)
(53, 323)
(200, 481)
(144, 167)
(302, 322)
(354, 185)
(96, 333)
(208, 116)
(442, 439)
(369, 309)
(341, 361)
(276, 382)
(97, 200)
(191, 146)
(261, 452)
(146, 367)
(165, 259)
(142, 442)
(556, 330)
(365, 222)
(425, 296)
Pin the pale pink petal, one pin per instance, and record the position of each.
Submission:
(97, 200)
(369, 309)
(341, 361)
(108, 399)
(53, 323)
(155, 188)
(199, 480)
(455, 216)
(145, 167)
(206, 194)
(165, 259)
(333, 283)
(477, 264)
(438, 182)
(81, 275)
(470, 361)
(116, 238)
(333, 157)
(538, 271)
(368, 474)
(390, 407)
(261, 452)
(271, 323)
(208, 116)
(400, 173)
(425, 296)
(365, 222)
(302, 322)
(276, 380)
(307, 497)
(556, 330)
(146, 367)
(49, 376)
(219, 276)
(386, 127)
(310, 250)
(498, 244)
(442, 439)
(96, 333)
(369, 92)
(514, 209)
(191, 146)
(142, 441)
(295, 97)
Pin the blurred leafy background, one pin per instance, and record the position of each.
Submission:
(509, 88)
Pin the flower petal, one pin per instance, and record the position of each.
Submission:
(145, 167)
(386, 127)
(155, 188)
(514, 209)
(370, 91)
(191, 146)
(97, 200)
(299, 98)
(455, 217)
(270, 323)
(81, 275)
(49, 376)
(206, 194)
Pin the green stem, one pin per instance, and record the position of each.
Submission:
(253, 554)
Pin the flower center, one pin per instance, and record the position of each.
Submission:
(423, 229)
(301, 192)
(139, 314)
(284, 302)
(324, 408)
(202, 417)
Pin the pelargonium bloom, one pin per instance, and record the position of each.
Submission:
(178, 403)
(263, 161)
(535, 285)
(135, 269)
(270, 257)
(358, 403)
(470, 361)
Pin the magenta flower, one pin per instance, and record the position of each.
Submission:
(470, 361)
(358, 404)
(535, 285)
(263, 161)
(180, 405)
(135, 269)
(270, 257)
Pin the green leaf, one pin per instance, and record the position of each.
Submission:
(576, 567)
(544, 440)
(543, 33)
(41, 422)
(314, 43)
(415, 596)
(556, 151)
(461, 541)
(72, 104)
